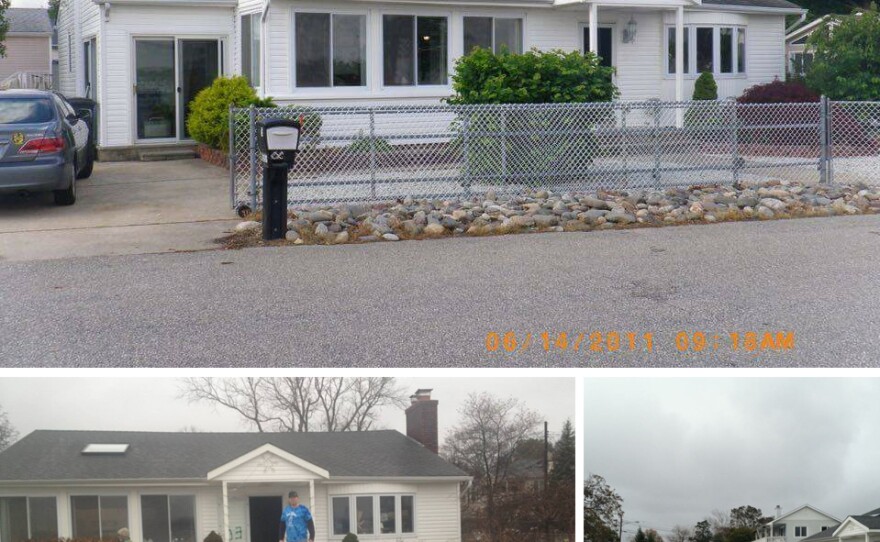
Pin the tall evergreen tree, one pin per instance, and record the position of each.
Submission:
(564, 457)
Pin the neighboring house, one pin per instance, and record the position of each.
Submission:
(796, 525)
(178, 487)
(860, 528)
(143, 60)
(797, 50)
(28, 60)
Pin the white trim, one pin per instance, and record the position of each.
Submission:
(813, 508)
(377, 519)
(693, 72)
(267, 448)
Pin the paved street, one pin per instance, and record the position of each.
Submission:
(432, 303)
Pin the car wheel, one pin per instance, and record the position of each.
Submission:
(86, 172)
(68, 195)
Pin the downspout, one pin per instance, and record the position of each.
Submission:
(797, 23)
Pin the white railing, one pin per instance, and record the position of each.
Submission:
(27, 80)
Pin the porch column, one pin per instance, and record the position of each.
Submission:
(312, 494)
(594, 28)
(679, 64)
(225, 511)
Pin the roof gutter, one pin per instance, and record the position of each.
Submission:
(750, 9)
(797, 23)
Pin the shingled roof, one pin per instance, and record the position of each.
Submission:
(777, 4)
(57, 455)
(28, 20)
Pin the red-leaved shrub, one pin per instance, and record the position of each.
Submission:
(778, 92)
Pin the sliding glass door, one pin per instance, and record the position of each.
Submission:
(169, 73)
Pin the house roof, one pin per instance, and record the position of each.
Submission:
(28, 20)
(870, 521)
(57, 455)
(826, 534)
(774, 4)
(798, 509)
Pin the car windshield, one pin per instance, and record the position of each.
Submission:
(25, 110)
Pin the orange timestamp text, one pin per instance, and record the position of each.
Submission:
(612, 342)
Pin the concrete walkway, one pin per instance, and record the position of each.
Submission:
(124, 208)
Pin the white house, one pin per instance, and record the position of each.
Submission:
(178, 487)
(143, 60)
(796, 525)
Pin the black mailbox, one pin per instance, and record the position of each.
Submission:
(278, 142)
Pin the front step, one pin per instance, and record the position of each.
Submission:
(157, 155)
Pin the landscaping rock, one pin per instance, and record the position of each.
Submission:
(390, 237)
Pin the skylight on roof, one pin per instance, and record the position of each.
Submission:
(103, 449)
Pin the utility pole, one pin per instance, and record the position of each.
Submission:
(620, 535)
(546, 476)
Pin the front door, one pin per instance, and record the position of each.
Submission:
(169, 73)
(265, 515)
(606, 44)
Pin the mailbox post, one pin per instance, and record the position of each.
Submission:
(278, 140)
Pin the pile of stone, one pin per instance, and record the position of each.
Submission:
(547, 211)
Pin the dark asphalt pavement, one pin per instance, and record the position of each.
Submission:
(433, 303)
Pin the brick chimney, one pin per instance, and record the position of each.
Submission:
(421, 419)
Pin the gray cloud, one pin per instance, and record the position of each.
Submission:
(676, 449)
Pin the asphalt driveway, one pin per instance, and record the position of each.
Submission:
(124, 208)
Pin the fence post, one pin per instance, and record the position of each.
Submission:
(656, 174)
(829, 140)
(465, 128)
(232, 157)
(504, 144)
(823, 140)
(372, 152)
(625, 143)
(734, 130)
(252, 149)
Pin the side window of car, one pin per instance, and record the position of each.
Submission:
(63, 107)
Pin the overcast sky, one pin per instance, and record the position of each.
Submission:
(676, 449)
(153, 404)
(29, 3)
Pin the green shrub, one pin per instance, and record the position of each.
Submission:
(846, 62)
(208, 121)
(213, 537)
(515, 145)
(705, 88)
(483, 77)
(361, 144)
(350, 537)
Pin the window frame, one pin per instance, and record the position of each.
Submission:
(28, 515)
(693, 73)
(449, 50)
(99, 496)
(800, 529)
(367, 83)
(494, 17)
(377, 519)
(168, 496)
(256, 56)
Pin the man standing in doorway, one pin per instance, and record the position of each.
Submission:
(296, 522)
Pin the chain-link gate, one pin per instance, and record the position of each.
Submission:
(368, 154)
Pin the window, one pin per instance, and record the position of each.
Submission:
(330, 50)
(605, 38)
(493, 33)
(168, 518)
(800, 531)
(374, 515)
(97, 517)
(415, 50)
(671, 50)
(24, 518)
(719, 50)
(250, 48)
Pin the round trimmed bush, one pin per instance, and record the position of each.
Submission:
(705, 87)
(208, 121)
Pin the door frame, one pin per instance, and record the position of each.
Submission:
(584, 28)
(223, 58)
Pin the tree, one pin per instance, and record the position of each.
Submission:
(484, 444)
(640, 536)
(745, 516)
(54, 6)
(564, 455)
(846, 62)
(819, 8)
(299, 404)
(702, 532)
(603, 511)
(4, 26)
(740, 534)
(680, 533)
(651, 535)
(8, 434)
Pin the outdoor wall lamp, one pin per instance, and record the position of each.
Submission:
(629, 32)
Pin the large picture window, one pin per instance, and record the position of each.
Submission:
(720, 50)
(330, 50)
(97, 517)
(168, 518)
(373, 515)
(415, 50)
(493, 33)
(250, 48)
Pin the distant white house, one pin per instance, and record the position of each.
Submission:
(796, 525)
(797, 50)
(28, 60)
(178, 487)
(144, 60)
(859, 528)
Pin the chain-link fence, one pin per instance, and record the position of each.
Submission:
(351, 154)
